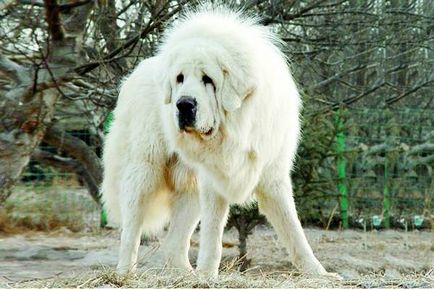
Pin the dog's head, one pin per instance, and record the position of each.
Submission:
(202, 83)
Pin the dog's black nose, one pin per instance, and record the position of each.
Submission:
(187, 108)
(186, 105)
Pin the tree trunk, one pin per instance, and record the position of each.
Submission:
(89, 163)
(243, 234)
(27, 109)
(22, 125)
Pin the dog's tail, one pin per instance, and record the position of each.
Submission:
(146, 201)
(151, 207)
(110, 188)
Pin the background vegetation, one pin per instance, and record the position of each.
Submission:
(365, 69)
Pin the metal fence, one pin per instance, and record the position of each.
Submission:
(48, 198)
(382, 168)
(385, 171)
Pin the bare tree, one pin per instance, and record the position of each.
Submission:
(370, 60)
(58, 52)
(28, 106)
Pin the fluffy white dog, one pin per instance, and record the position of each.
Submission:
(211, 120)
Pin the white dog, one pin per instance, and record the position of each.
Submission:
(211, 120)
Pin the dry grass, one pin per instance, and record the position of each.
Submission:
(229, 278)
(363, 253)
(45, 209)
(267, 274)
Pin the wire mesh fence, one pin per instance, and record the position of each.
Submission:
(380, 175)
(50, 198)
(389, 164)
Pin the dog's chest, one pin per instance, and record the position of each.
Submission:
(234, 175)
(231, 169)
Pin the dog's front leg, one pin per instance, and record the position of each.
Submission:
(214, 212)
(184, 219)
(275, 200)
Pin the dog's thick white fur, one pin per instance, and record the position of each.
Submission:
(241, 145)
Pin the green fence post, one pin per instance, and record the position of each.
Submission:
(342, 188)
(108, 122)
(103, 218)
(386, 197)
(106, 127)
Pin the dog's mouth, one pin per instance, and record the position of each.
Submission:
(209, 132)
(204, 134)
(188, 129)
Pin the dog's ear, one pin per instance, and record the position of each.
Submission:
(237, 86)
(167, 90)
(163, 81)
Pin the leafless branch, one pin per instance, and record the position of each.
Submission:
(77, 149)
(13, 70)
(394, 99)
(52, 17)
(70, 165)
(151, 25)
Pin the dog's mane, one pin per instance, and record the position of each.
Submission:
(220, 24)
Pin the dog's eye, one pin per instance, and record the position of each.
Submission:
(180, 78)
(207, 80)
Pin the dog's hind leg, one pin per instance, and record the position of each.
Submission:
(139, 185)
(183, 221)
(275, 200)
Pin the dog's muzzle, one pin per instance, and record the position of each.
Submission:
(187, 108)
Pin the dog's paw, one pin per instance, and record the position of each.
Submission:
(316, 269)
(125, 270)
(206, 274)
(332, 276)
(181, 266)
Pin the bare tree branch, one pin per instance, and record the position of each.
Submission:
(13, 70)
(77, 149)
(407, 93)
(151, 25)
(70, 165)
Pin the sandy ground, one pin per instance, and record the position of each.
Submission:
(372, 259)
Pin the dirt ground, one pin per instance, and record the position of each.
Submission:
(373, 259)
